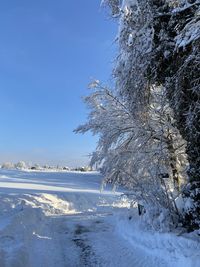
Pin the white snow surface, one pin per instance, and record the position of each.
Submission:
(62, 219)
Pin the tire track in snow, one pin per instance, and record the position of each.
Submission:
(87, 255)
(99, 246)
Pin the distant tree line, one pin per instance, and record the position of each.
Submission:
(21, 165)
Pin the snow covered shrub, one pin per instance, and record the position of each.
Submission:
(192, 206)
(160, 219)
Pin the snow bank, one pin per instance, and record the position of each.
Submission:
(176, 251)
(18, 222)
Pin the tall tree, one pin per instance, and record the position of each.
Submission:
(141, 144)
(170, 31)
(176, 61)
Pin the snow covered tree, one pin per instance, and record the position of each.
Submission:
(21, 165)
(7, 165)
(135, 154)
(159, 45)
(141, 144)
(176, 65)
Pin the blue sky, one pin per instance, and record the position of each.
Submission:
(49, 51)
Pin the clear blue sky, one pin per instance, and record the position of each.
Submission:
(49, 51)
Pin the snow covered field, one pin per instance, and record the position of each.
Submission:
(62, 219)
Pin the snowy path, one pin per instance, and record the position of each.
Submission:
(85, 239)
(62, 220)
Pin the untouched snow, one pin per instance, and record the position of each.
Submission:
(62, 219)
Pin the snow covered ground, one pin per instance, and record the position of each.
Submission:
(63, 220)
